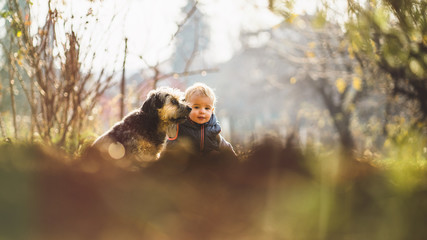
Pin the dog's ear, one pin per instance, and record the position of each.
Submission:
(154, 101)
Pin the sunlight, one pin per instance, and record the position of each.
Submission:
(103, 26)
(116, 150)
(149, 26)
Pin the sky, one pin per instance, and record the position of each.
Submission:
(149, 25)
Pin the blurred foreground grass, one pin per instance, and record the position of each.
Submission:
(273, 191)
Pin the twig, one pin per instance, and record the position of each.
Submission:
(188, 16)
(12, 92)
(122, 83)
(3, 132)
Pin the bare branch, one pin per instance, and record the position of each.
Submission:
(188, 16)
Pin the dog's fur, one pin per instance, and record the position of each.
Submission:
(141, 134)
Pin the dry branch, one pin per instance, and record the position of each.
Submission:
(59, 93)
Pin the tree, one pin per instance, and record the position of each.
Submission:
(190, 39)
(387, 39)
(393, 34)
(60, 95)
(324, 66)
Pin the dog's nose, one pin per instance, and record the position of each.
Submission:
(189, 108)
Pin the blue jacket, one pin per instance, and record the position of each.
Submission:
(203, 137)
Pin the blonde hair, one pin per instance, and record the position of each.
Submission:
(200, 89)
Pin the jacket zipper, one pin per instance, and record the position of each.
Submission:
(202, 138)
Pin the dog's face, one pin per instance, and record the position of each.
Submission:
(168, 105)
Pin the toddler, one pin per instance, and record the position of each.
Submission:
(201, 129)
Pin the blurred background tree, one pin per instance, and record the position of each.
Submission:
(386, 41)
(45, 65)
(336, 80)
(393, 34)
(325, 67)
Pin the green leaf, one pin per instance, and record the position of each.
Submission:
(319, 19)
(382, 19)
(5, 14)
(416, 67)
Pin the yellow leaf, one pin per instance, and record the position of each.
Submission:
(293, 80)
(416, 67)
(377, 57)
(341, 85)
(19, 34)
(276, 26)
(350, 52)
(310, 54)
(374, 48)
(387, 143)
(416, 37)
(357, 83)
(354, 45)
(291, 18)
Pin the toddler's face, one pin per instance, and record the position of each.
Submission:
(202, 108)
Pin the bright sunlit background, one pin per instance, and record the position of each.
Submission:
(149, 26)
(221, 43)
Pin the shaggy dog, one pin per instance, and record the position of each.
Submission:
(141, 134)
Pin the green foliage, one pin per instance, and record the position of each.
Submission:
(387, 42)
(283, 7)
(6, 14)
(393, 35)
(319, 20)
